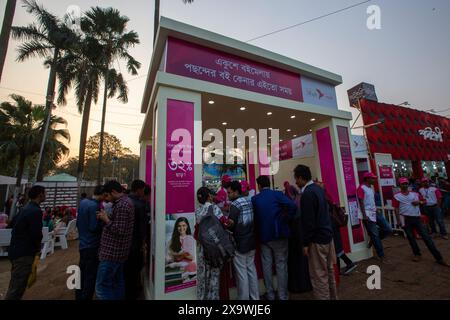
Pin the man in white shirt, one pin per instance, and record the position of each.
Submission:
(432, 208)
(407, 210)
(373, 224)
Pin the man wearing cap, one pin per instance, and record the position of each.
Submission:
(372, 221)
(407, 210)
(432, 208)
(221, 198)
(246, 191)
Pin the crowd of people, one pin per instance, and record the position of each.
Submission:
(296, 233)
(112, 243)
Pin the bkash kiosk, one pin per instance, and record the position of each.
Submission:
(200, 84)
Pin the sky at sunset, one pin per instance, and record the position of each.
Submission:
(407, 60)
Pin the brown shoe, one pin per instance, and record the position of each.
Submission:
(444, 237)
(443, 263)
(417, 259)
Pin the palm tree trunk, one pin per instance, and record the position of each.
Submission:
(6, 30)
(20, 170)
(156, 21)
(83, 138)
(84, 132)
(102, 131)
(48, 107)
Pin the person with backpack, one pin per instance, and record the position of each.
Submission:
(272, 210)
(210, 222)
(241, 213)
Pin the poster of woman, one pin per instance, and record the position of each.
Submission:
(181, 266)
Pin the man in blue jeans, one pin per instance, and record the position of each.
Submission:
(115, 244)
(373, 220)
(89, 233)
(272, 209)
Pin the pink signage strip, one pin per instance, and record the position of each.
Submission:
(251, 172)
(327, 163)
(283, 151)
(198, 62)
(328, 171)
(349, 176)
(148, 164)
(180, 173)
(181, 286)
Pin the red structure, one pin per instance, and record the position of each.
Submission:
(407, 134)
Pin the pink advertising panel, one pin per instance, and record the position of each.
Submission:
(148, 164)
(326, 160)
(180, 182)
(198, 62)
(282, 151)
(328, 171)
(251, 172)
(350, 182)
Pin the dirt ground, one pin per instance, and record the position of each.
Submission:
(401, 280)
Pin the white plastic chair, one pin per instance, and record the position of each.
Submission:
(5, 240)
(48, 242)
(61, 235)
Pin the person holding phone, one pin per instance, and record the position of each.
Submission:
(407, 209)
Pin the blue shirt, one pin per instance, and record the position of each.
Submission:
(89, 228)
(272, 209)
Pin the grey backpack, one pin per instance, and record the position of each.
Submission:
(217, 245)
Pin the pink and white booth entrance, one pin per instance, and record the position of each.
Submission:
(202, 86)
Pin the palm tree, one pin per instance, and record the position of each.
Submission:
(49, 37)
(55, 149)
(6, 31)
(108, 27)
(23, 127)
(82, 69)
(156, 18)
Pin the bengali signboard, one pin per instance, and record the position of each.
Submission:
(387, 177)
(180, 174)
(361, 91)
(198, 62)
(350, 182)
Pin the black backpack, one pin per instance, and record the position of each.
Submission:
(217, 245)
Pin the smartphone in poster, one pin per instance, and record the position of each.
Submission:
(181, 260)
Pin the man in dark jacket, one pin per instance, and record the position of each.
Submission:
(317, 235)
(241, 213)
(135, 262)
(89, 234)
(272, 210)
(25, 243)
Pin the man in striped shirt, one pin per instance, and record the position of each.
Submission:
(115, 244)
(407, 210)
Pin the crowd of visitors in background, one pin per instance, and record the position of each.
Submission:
(296, 233)
(112, 245)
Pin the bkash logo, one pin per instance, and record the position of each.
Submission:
(321, 94)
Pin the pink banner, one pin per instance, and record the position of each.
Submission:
(328, 171)
(264, 163)
(283, 151)
(350, 179)
(198, 62)
(148, 164)
(180, 170)
(327, 163)
(251, 172)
